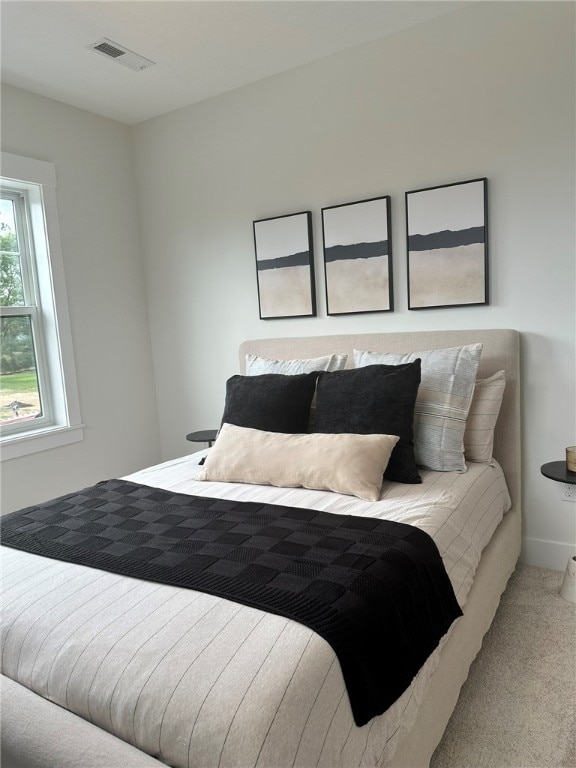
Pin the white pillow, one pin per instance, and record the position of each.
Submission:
(442, 403)
(255, 366)
(343, 463)
(482, 418)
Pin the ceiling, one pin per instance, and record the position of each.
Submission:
(200, 48)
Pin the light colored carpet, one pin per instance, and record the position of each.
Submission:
(518, 706)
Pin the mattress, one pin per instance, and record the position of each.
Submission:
(198, 681)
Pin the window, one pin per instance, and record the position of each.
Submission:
(23, 382)
(38, 395)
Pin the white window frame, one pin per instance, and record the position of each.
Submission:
(31, 307)
(61, 424)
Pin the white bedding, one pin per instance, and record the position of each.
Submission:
(200, 682)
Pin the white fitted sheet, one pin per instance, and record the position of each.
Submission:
(195, 680)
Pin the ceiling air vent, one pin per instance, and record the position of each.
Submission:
(122, 55)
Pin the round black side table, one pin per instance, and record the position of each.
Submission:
(203, 436)
(556, 470)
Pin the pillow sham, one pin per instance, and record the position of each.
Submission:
(442, 404)
(272, 402)
(482, 418)
(259, 365)
(348, 464)
(377, 399)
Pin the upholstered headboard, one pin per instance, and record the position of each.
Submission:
(500, 352)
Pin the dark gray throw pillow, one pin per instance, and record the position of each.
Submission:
(272, 402)
(376, 399)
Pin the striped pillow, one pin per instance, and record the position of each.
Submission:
(482, 417)
(256, 366)
(442, 404)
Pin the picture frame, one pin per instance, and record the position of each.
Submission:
(283, 247)
(447, 244)
(357, 245)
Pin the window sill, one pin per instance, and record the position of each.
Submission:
(40, 440)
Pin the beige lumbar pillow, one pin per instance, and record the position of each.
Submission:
(343, 463)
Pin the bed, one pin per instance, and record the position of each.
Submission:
(106, 670)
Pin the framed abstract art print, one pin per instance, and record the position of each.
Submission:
(447, 237)
(285, 266)
(358, 257)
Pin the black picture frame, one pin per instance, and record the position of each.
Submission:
(284, 251)
(357, 245)
(447, 245)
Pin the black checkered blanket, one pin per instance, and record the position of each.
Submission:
(376, 590)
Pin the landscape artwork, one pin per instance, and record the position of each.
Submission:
(447, 237)
(285, 266)
(357, 257)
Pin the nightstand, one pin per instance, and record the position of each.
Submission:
(556, 470)
(203, 436)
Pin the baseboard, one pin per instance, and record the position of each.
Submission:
(546, 554)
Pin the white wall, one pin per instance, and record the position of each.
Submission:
(486, 91)
(104, 275)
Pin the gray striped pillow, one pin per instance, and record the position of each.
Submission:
(482, 417)
(442, 403)
(256, 366)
